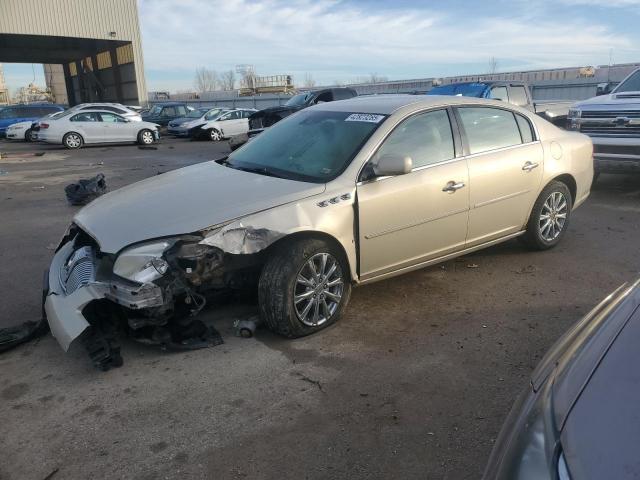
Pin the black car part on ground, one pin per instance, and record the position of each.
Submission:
(86, 190)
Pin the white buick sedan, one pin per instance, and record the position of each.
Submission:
(77, 128)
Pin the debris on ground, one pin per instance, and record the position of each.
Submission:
(246, 328)
(527, 269)
(473, 265)
(86, 190)
(13, 336)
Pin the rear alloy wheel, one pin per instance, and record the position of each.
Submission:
(145, 137)
(72, 140)
(215, 135)
(550, 217)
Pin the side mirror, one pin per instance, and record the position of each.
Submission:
(390, 165)
(603, 89)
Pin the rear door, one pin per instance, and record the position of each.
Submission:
(89, 125)
(505, 170)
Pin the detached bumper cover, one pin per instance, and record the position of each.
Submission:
(64, 312)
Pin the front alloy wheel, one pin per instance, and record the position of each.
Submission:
(145, 137)
(215, 135)
(318, 290)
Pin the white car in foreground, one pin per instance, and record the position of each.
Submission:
(77, 128)
(24, 130)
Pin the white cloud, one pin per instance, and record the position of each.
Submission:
(340, 40)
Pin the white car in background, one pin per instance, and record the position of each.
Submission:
(182, 126)
(232, 122)
(77, 128)
(24, 130)
(117, 108)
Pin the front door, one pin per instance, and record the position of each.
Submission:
(505, 171)
(116, 129)
(409, 219)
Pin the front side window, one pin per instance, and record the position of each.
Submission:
(169, 112)
(213, 114)
(155, 110)
(489, 128)
(181, 110)
(426, 138)
(499, 93)
(111, 118)
(309, 146)
(86, 117)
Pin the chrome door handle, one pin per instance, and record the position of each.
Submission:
(528, 166)
(452, 186)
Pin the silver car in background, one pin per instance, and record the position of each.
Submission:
(76, 128)
(182, 127)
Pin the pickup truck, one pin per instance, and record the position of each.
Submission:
(612, 120)
(516, 93)
(272, 115)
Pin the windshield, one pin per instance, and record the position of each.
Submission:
(460, 89)
(310, 146)
(155, 110)
(631, 84)
(298, 100)
(196, 113)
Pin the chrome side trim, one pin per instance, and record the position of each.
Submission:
(434, 261)
(499, 199)
(421, 222)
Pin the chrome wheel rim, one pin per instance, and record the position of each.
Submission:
(147, 137)
(553, 216)
(215, 135)
(318, 289)
(73, 141)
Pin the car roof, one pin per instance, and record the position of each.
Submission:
(389, 103)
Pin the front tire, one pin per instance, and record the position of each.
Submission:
(28, 136)
(145, 137)
(549, 217)
(304, 287)
(215, 135)
(72, 140)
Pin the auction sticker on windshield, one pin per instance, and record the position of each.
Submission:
(364, 117)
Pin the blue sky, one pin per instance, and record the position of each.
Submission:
(341, 40)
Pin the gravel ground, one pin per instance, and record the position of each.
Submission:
(414, 382)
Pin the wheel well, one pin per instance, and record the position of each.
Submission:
(570, 182)
(280, 243)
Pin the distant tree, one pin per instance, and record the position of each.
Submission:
(228, 80)
(308, 81)
(206, 80)
(372, 78)
(493, 65)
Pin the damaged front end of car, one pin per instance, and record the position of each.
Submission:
(151, 290)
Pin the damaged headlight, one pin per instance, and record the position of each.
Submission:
(143, 263)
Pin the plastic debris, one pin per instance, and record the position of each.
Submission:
(246, 328)
(86, 190)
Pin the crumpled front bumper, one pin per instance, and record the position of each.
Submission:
(64, 312)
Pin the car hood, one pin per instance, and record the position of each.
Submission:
(620, 101)
(600, 437)
(182, 201)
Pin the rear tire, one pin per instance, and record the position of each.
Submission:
(28, 136)
(549, 217)
(294, 302)
(72, 140)
(145, 137)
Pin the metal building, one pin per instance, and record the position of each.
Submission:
(91, 49)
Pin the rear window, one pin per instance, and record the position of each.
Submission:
(525, 129)
(489, 128)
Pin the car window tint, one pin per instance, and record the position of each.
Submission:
(499, 93)
(525, 129)
(518, 96)
(426, 138)
(181, 110)
(111, 118)
(489, 128)
(86, 117)
(169, 112)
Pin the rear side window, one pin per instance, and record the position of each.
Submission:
(499, 93)
(525, 129)
(518, 96)
(426, 138)
(489, 128)
(111, 118)
(86, 117)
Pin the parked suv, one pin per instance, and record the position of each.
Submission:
(25, 113)
(612, 120)
(163, 113)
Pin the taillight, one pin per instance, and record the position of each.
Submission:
(44, 125)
